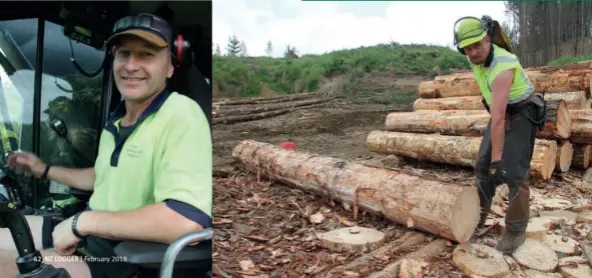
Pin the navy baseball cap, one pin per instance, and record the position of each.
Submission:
(149, 27)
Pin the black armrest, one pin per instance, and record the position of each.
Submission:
(142, 252)
(82, 195)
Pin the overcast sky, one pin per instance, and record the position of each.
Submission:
(319, 27)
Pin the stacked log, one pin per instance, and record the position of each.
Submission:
(574, 100)
(247, 109)
(546, 79)
(449, 120)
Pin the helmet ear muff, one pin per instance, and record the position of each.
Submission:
(183, 55)
(487, 25)
(462, 51)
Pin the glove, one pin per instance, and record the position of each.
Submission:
(497, 175)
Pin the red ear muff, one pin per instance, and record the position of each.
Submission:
(179, 49)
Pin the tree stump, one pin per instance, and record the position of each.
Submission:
(352, 239)
(476, 259)
(534, 254)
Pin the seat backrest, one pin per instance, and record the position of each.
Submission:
(191, 83)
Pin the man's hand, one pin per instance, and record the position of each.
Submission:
(496, 173)
(26, 162)
(64, 241)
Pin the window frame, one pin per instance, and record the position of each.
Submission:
(38, 189)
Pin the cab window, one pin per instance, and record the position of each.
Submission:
(70, 101)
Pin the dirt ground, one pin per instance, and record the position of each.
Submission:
(263, 229)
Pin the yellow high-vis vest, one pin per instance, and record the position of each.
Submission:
(503, 60)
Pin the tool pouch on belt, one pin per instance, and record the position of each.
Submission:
(540, 113)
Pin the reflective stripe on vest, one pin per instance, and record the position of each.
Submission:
(521, 88)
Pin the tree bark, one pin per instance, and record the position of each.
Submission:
(449, 210)
(449, 103)
(549, 80)
(573, 100)
(473, 122)
(238, 110)
(564, 156)
(258, 100)
(558, 123)
(453, 150)
(448, 122)
(249, 117)
(468, 74)
(581, 156)
(581, 126)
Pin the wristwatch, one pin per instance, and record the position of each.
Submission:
(74, 224)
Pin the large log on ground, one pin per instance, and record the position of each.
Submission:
(454, 150)
(564, 155)
(473, 122)
(573, 100)
(259, 116)
(581, 126)
(581, 156)
(445, 209)
(550, 80)
(249, 117)
(258, 100)
(237, 110)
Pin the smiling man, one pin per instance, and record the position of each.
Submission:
(152, 179)
(516, 112)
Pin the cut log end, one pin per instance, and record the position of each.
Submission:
(557, 243)
(574, 267)
(581, 131)
(558, 124)
(353, 239)
(534, 254)
(537, 227)
(465, 215)
(584, 217)
(531, 273)
(482, 260)
(543, 159)
(564, 156)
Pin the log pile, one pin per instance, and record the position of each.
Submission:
(229, 111)
(449, 119)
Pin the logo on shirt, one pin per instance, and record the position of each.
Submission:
(133, 151)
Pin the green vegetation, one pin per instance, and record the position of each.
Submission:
(567, 60)
(240, 76)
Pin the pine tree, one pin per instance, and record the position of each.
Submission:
(234, 46)
(243, 49)
(269, 49)
(218, 52)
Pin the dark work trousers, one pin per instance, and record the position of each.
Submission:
(519, 138)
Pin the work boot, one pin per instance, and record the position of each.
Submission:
(510, 242)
